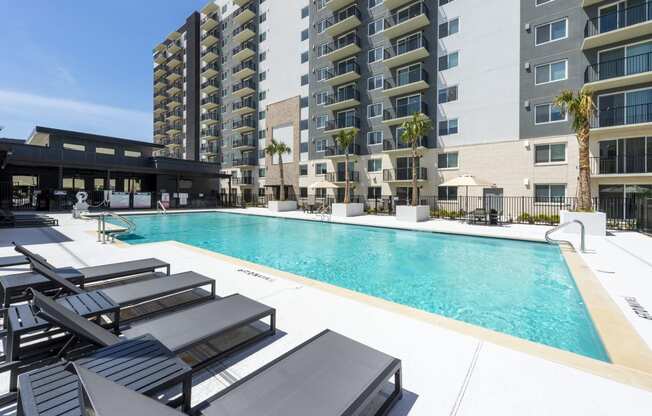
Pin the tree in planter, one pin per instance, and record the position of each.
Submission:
(279, 149)
(413, 132)
(344, 139)
(581, 108)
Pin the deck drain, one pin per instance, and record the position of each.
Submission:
(255, 274)
(638, 309)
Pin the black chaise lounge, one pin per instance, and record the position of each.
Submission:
(8, 219)
(328, 375)
(13, 261)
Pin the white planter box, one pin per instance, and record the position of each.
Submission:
(348, 210)
(413, 214)
(282, 206)
(595, 223)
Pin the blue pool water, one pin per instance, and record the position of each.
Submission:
(519, 288)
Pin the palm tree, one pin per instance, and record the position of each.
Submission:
(581, 108)
(344, 139)
(413, 132)
(279, 149)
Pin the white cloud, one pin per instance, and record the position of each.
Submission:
(20, 112)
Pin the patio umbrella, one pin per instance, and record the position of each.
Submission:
(323, 184)
(466, 181)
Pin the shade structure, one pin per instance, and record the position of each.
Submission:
(323, 185)
(466, 180)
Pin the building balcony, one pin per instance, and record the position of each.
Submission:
(160, 71)
(174, 75)
(208, 23)
(407, 83)
(211, 102)
(405, 52)
(244, 142)
(619, 73)
(173, 129)
(210, 70)
(159, 122)
(174, 47)
(245, 162)
(246, 87)
(175, 115)
(210, 54)
(342, 123)
(393, 4)
(345, 98)
(639, 165)
(160, 108)
(343, 73)
(627, 121)
(208, 39)
(174, 61)
(210, 118)
(210, 148)
(244, 14)
(338, 4)
(242, 181)
(244, 51)
(240, 3)
(397, 145)
(174, 102)
(340, 177)
(173, 143)
(407, 20)
(244, 32)
(342, 48)
(404, 175)
(621, 25)
(210, 86)
(343, 21)
(160, 57)
(175, 88)
(403, 113)
(160, 96)
(244, 70)
(210, 134)
(160, 133)
(245, 106)
(244, 125)
(209, 8)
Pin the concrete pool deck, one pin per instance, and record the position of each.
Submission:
(446, 371)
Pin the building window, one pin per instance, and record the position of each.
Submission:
(262, 56)
(375, 55)
(376, 26)
(262, 76)
(72, 146)
(446, 95)
(552, 72)
(548, 113)
(305, 79)
(542, 2)
(374, 165)
(262, 37)
(262, 115)
(447, 193)
(320, 168)
(305, 12)
(303, 170)
(320, 145)
(320, 193)
(374, 110)
(132, 153)
(448, 61)
(374, 192)
(262, 95)
(321, 121)
(304, 57)
(262, 18)
(447, 160)
(448, 127)
(303, 192)
(374, 3)
(320, 97)
(549, 193)
(105, 151)
(550, 153)
(449, 28)
(442, 2)
(305, 34)
(262, 134)
(551, 32)
(262, 172)
(375, 82)
(322, 74)
(374, 137)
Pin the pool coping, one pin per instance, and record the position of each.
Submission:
(631, 357)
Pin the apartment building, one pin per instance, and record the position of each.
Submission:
(324, 66)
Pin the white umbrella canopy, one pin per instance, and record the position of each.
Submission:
(466, 180)
(323, 184)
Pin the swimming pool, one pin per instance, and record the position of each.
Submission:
(520, 288)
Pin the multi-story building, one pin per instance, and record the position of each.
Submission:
(305, 71)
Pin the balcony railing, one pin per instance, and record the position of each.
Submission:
(244, 141)
(622, 165)
(213, 99)
(213, 65)
(341, 16)
(245, 65)
(407, 78)
(175, 113)
(405, 110)
(212, 148)
(210, 132)
(213, 49)
(354, 149)
(347, 122)
(211, 83)
(404, 174)
(399, 144)
(245, 45)
(246, 26)
(404, 15)
(245, 122)
(342, 95)
(622, 116)
(213, 33)
(249, 83)
(249, 7)
(403, 47)
(248, 103)
(343, 69)
(245, 161)
(343, 42)
(341, 177)
(243, 180)
(631, 65)
(212, 116)
(619, 19)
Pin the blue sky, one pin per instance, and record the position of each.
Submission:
(82, 64)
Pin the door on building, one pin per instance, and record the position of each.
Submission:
(24, 192)
(492, 199)
(247, 195)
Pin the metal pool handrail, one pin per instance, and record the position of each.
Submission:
(560, 226)
(101, 226)
(160, 207)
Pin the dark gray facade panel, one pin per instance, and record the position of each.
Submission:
(192, 87)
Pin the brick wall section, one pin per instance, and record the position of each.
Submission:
(280, 114)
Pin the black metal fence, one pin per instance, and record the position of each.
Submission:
(644, 215)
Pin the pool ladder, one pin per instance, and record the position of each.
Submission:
(102, 233)
(323, 214)
(160, 208)
(560, 226)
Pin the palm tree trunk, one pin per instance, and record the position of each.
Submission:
(584, 180)
(414, 174)
(347, 197)
(280, 165)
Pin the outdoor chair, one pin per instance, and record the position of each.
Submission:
(478, 215)
(328, 375)
(13, 261)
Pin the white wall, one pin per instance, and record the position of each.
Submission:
(488, 72)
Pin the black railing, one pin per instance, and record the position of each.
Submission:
(212, 148)
(175, 72)
(245, 45)
(342, 95)
(212, 116)
(244, 65)
(215, 66)
(244, 180)
(614, 68)
(644, 215)
(244, 141)
(213, 33)
(249, 83)
(346, 122)
(342, 15)
(246, 26)
(341, 177)
(175, 113)
(621, 165)
(404, 174)
(405, 110)
(247, 7)
(398, 144)
(213, 99)
(342, 69)
(211, 132)
(404, 15)
(619, 19)
(207, 18)
(245, 122)
(211, 83)
(354, 149)
(403, 47)
(407, 78)
(212, 49)
(343, 42)
(622, 116)
(245, 161)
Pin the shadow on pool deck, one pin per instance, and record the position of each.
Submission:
(27, 236)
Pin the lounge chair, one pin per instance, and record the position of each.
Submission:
(13, 261)
(8, 219)
(328, 375)
(478, 215)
